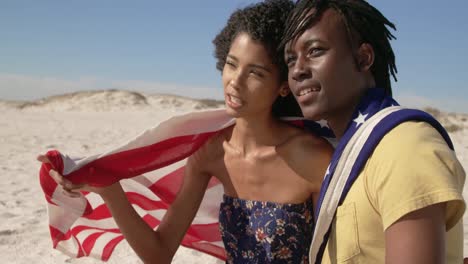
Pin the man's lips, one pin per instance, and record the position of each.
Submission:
(307, 90)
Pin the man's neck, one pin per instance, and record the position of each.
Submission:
(339, 124)
(340, 119)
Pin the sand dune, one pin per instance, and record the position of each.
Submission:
(111, 101)
(85, 123)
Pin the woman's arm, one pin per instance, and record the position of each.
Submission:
(151, 246)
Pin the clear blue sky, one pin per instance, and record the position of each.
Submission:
(52, 47)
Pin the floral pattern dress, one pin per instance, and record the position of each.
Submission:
(266, 232)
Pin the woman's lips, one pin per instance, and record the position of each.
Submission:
(234, 102)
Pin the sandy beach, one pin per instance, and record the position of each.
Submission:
(86, 123)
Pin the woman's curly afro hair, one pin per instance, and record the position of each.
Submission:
(263, 22)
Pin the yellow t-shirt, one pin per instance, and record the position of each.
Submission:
(411, 168)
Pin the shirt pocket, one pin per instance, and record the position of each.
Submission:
(343, 245)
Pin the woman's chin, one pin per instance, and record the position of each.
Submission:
(232, 112)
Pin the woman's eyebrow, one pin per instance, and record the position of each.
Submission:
(252, 65)
(262, 67)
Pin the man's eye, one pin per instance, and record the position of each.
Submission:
(290, 60)
(315, 51)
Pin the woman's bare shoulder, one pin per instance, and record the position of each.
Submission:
(210, 152)
(300, 139)
(308, 155)
(306, 149)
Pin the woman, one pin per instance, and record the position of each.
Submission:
(269, 169)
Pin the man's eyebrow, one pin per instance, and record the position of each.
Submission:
(307, 43)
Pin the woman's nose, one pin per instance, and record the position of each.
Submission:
(237, 79)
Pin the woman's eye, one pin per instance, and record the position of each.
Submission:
(231, 64)
(257, 73)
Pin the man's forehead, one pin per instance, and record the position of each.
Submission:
(323, 27)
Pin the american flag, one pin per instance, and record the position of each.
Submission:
(373, 118)
(152, 167)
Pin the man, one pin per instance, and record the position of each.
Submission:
(405, 205)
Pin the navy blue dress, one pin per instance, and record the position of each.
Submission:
(266, 232)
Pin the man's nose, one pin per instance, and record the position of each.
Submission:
(300, 71)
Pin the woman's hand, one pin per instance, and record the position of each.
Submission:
(70, 189)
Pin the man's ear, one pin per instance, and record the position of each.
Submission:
(365, 57)
(284, 89)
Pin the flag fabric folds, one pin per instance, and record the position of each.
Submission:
(151, 168)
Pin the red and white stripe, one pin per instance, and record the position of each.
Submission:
(151, 166)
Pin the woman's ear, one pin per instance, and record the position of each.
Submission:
(366, 56)
(284, 89)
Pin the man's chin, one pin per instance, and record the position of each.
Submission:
(311, 113)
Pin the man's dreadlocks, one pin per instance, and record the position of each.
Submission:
(364, 24)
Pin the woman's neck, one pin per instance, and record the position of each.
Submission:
(250, 134)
